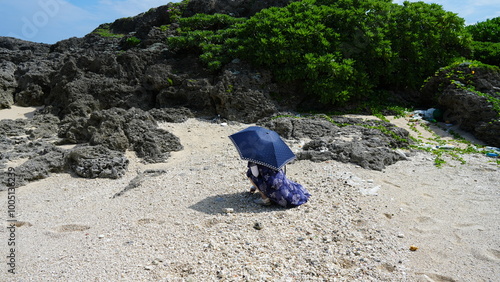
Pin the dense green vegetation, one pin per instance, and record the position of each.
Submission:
(486, 44)
(487, 31)
(341, 50)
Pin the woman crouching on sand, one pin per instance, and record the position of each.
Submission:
(275, 187)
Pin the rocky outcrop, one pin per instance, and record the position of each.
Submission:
(370, 144)
(32, 147)
(236, 8)
(41, 165)
(244, 94)
(470, 97)
(97, 162)
(118, 129)
(8, 84)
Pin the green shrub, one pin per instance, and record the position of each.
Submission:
(425, 38)
(305, 42)
(337, 50)
(486, 44)
(487, 31)
(105, 32)
(208, 22)
(133, 41)
(206, 35)
(486, 52)
(175, 10)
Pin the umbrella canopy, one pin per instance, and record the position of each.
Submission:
(262, 146)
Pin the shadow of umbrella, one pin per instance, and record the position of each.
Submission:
(241, 202)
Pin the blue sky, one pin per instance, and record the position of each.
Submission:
(49, 21)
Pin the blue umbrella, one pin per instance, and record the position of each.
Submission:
(262, 146)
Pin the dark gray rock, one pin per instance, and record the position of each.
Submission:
(370, 144)
(23, 71)
(26, 139)
(297, 128)
(243, 94)
(33, 79)
(466, 108)
(236, 8)
(9, 127)
(43, 126)
(152, 144)
(97, 162)
(95, 82)
(175, 115)
(42, 159)
(8, 84)
(41, 166)
(107, 128)
(192, 93)
(451, 91)
(357, 152)
(119, 129)
(19, 51)
(472, 112)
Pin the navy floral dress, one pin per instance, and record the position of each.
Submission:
(277, 187)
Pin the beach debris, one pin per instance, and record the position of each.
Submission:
(446, 147)
(157, 261)
(228, 210)
(413, 248)
(370, 191)
(258, 226)
(431, 115)
(432, 147)
(492, 152)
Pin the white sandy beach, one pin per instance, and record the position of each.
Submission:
(175, 226)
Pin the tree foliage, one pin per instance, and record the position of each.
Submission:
(486, 44)
(487, 31)
(337, 49)
(425, 38)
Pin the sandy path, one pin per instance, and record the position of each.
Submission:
(16, 112)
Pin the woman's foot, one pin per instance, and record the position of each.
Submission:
(253, 189)
(263, 202)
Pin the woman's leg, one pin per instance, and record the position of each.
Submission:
(253, 188)
(265, 200)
